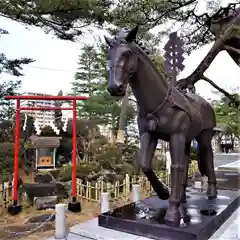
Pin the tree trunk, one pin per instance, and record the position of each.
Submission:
(113, 134)
(232, 141)
(122, 122)
(216, 48)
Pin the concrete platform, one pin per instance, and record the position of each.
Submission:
(90, 230)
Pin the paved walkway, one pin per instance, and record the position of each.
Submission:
(230, 230)
(234, 166)
(90, 230)
(223, 159)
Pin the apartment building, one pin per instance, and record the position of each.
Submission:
(44, 118)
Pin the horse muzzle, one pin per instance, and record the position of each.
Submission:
(116, 90)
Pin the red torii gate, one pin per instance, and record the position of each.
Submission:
(73, 206)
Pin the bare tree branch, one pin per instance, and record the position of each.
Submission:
(205, 63)
(226, 47)
(180, 5)
(232, 98)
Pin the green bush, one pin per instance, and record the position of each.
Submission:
(55, 173)
(193, 153)
(107, 156)
(108, 159)
(65, 173)
(126, 168)
(6, 161)
(83, 170)
(6, 150)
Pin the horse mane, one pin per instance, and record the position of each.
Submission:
(120, 39)
(141, 45)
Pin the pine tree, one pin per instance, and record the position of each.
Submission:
(86, 77)
(91, 79)
(66, 19)
(227, 116)
(12, 67)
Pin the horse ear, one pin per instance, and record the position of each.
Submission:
(108, 40)
(132, 34)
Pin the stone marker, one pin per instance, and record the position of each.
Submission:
(45, 202)
(44, 190)
(43, 178)
(41, 218)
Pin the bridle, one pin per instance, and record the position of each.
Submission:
(128, 73)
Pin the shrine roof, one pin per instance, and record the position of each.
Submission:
(40, 141)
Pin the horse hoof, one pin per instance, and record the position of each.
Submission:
(212, 193)
(211, 197)
(186, 219)
(184, 214)
(172, 217)
(184, 199)
(164, 195)
(172, 224)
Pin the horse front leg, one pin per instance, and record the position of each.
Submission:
(184, 183)
(147, 149)
(177, 149)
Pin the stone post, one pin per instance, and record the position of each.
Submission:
(136, 191)
(104, 202)
(60, 222)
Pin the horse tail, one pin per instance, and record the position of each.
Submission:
(201, 162)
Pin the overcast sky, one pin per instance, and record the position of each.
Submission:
(56, 60)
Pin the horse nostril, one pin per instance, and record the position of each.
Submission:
(121, 87)
(115, 89)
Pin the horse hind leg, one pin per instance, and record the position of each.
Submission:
(205, 161)
(185, 172)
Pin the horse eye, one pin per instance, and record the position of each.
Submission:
(121, 63)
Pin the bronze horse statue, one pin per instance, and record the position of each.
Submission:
(164, 113)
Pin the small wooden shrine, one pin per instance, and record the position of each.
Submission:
(45, 151)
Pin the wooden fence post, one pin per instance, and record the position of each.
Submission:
(127, 184)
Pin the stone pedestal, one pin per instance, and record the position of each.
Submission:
(146, 218)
